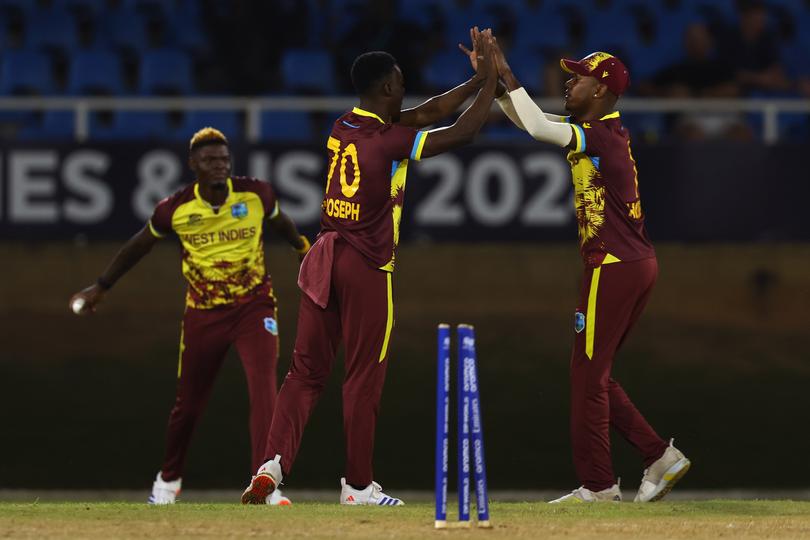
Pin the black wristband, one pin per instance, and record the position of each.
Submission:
(103, 283)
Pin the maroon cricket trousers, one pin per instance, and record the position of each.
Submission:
(359, 313)
(206, 336)
(612, 298)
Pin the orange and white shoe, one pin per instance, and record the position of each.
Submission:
(165, 492)
(371, 495)
(278, 499)
(262, 486)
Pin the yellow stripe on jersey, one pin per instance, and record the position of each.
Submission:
(182, 349)
(154, 231)
(361, 112)
(609, 259)
(590, 317)
(389, 323)
(614, 114)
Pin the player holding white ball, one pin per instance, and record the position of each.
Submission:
(219, 221)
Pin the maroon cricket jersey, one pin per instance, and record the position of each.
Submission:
(365, 183)
(606, 197)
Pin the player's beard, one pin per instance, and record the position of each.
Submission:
(219, 185)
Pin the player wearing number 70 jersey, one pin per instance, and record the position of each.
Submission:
(347, 276)
(620, 271)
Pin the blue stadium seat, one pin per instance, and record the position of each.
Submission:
(124, 30)
(21, 7)
(528, 68)
(162, 8)
(647, 59)
(541, 30)
(131, 125)
(54, 125)
(95, 73)
(446, 70)
(55, 31)
(292, 126)
(420, 12)
(307, 71)
(91, 7)
(25, 73)
(165, 72)
(228, 122)
(458, 23)
(187, 33)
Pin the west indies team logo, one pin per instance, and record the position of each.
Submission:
(239, 210)
(194, 219)
(271, 325)
(579, 322)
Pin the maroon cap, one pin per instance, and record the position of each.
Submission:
(604, 67)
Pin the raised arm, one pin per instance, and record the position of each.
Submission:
(285, 227)
(441, 106)
(464, 130)
(524, 112)
(128, 256)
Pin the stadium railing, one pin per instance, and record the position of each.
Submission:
(252, 107)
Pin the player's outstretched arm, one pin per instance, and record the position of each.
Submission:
(285, 227)
(524, 112)
(464, 130)
(128, 256)
(443, 105)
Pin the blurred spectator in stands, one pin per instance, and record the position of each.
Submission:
(752, 50)
(699, 74)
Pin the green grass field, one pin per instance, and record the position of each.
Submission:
(692, 520)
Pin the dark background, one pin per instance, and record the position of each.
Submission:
(719, 360)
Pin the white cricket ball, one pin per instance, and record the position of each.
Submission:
(77, 305)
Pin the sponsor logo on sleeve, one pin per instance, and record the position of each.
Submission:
(579, 322)
(271, 325)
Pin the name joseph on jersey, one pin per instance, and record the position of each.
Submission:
(341, 209)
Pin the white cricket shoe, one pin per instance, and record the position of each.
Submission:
(371, 495)
(165, 492)
(585, 495)
(267, 478)
(662, 475)
(277, 499)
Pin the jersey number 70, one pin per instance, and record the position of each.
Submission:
(350, 152)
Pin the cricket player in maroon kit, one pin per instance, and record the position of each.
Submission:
(620, 271)
(218, 220)
(347, 276)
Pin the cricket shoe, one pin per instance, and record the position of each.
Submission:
(371, 495)
(267, 478)
(662, 475)
(277, 499)
(585, 495)
(165, 492)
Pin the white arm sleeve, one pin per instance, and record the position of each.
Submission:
(536, 123)
(555, 117)
(505, 103)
